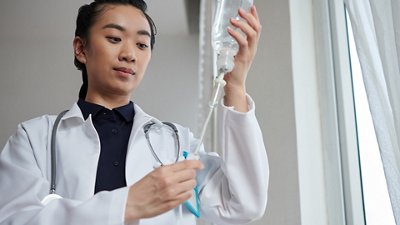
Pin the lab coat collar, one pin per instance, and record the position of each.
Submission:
(140, 118)
(74, 112)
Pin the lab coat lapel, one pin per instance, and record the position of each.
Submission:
(139, 161)
(78, 151)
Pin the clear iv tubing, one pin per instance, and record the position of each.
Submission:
(219, 84)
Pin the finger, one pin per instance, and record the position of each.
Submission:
(251, 19)
(171, 204)
(170, 175)
(168, 205)
(251, 26)
(187, 164)
(184, 175)
(185, 195)
(252, 35)
(245, 28)
(176, 191)
(240, 38)
(253, 11)
(186, 186)
(166, 179)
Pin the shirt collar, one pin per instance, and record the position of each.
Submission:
(126, 111)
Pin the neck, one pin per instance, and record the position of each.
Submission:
(109, 102)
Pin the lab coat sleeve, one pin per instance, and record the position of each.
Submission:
(234, 189)
(22, 187)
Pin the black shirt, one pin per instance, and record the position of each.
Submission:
(114, 128)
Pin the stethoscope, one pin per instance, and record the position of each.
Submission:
(147, 127)
(192, 206)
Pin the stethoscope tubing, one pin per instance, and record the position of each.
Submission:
(53, 152)
(146, 129)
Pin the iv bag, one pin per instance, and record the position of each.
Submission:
(223, 43)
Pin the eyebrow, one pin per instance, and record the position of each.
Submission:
(122, 29)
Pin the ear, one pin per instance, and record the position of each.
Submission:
(79, 47)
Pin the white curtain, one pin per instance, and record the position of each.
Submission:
(206, 71)
(206, 68)
(376, 28)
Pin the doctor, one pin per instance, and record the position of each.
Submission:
(105, 167)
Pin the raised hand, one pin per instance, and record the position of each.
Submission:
(235, 88)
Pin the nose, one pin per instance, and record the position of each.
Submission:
(127, 53)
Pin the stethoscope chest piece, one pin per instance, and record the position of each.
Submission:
(50, 197)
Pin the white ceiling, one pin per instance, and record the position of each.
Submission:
(38, 18)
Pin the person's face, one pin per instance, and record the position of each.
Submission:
(117, 51)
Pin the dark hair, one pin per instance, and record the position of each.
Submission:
(87, 16)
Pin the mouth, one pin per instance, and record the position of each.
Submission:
(125, 70)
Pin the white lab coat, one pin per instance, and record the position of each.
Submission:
(233, 190)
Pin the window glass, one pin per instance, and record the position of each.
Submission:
(377, 206)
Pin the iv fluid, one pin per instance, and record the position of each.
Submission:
(224, 44)
(225, 47)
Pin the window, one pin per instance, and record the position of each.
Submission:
(377, 205)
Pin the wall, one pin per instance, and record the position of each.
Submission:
(169, 89)
(271, 85)
(38, 76)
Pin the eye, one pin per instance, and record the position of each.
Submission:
(142, 46)
(113, 40)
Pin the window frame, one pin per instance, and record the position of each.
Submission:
(338, 122)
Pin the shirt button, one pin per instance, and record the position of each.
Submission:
(114, 131)
(116, 163)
